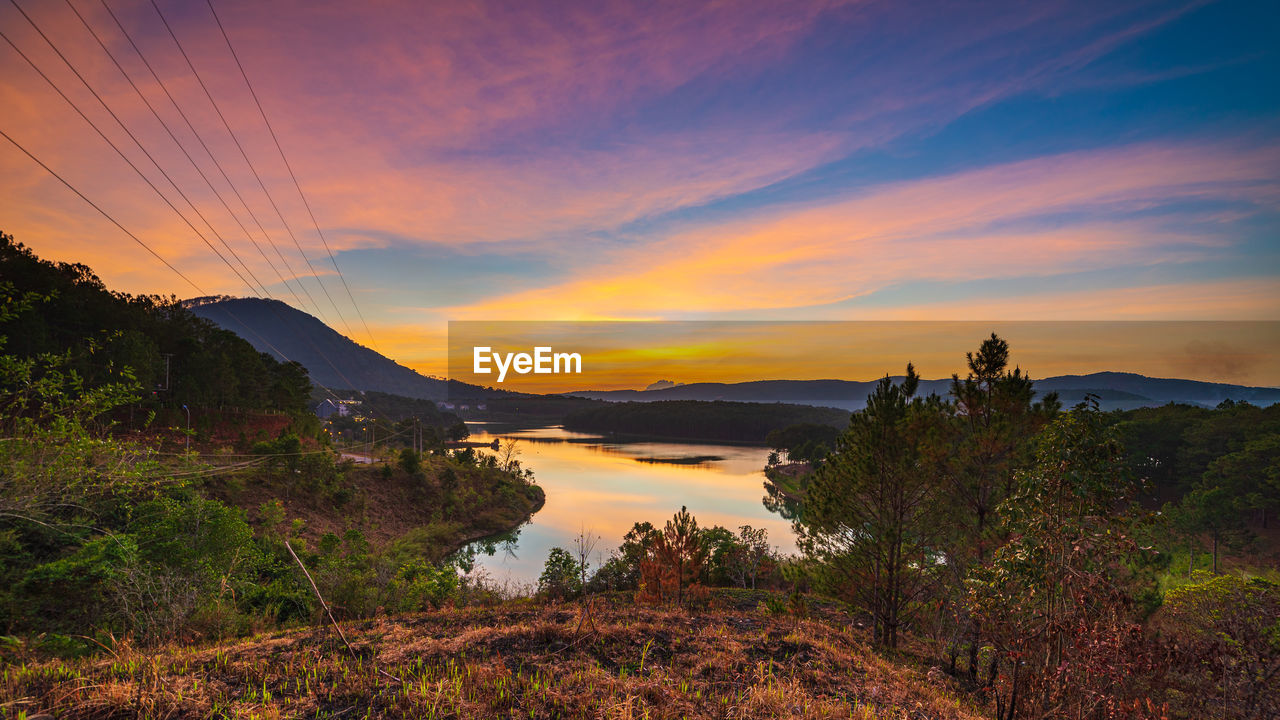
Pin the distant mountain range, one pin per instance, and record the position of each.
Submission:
(1115, 391)
(337, 362)
(332, 359)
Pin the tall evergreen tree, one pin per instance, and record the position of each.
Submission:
(872, 512)
(995, 416)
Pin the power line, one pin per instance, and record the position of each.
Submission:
(162, 196)
(252, 168)
(192, 205)
(94, 205)
(261, 184)
(254, 216)
(289, 167)
(119, 152)
(150, 184)
(148, 181)
(177, 142)
(146, 247)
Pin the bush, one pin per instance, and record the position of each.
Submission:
(560, 577)
(411, 462)
(418, 586)
(1221, 638)
(75, 592)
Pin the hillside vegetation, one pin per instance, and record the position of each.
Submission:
(169, 356)
(515, 660)
(115, 520)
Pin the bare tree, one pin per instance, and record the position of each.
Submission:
(583, 545)
(508, 451)
(750, 555)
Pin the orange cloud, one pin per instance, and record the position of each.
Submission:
(945, 228)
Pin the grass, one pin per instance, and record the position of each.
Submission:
(518, 660)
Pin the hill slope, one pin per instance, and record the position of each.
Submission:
(64, 310)
(333, 360)
(515, 660)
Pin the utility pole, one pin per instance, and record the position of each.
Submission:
(184, 407)
(166, 371)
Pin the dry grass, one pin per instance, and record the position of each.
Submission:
(517, 660)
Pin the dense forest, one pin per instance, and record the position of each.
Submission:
(700, 420)
(173, 357)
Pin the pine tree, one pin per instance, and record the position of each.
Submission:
(675, 562)
(872, 510)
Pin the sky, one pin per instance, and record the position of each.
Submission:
(659, 160)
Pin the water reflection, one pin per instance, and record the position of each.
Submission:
(605, 486)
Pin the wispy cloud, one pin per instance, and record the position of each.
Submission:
(938, 228)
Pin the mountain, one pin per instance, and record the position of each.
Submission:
(332, 359)
(1115, 391)
(339, 363)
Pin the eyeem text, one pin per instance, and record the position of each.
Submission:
(542, 362)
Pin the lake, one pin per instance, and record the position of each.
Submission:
(605, 486)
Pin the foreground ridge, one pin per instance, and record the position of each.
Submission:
(514, 660)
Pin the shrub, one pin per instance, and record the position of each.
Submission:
(560, 577)
(418, 585)
(1221, 637)
(410, 462)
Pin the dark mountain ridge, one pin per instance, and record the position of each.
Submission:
(1115, 391)
(333, 360)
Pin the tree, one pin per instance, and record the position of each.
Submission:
(995, 419)
(749, 556)
(560, 577)
(1251, 474)
(1214, 510)
(872, 510)
(459, 432)
(675, 561)
(622, 570)
(584, 543)
(803, 442)
(507, 454)
(1056, 600)
(411, 461)
(53, 465)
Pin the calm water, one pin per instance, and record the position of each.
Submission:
(605, 487)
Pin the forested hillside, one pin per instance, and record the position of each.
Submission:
(700, 420)
(1111, 390)
(175, 357)
(120, 524)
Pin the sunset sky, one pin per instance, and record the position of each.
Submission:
(668, 160)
